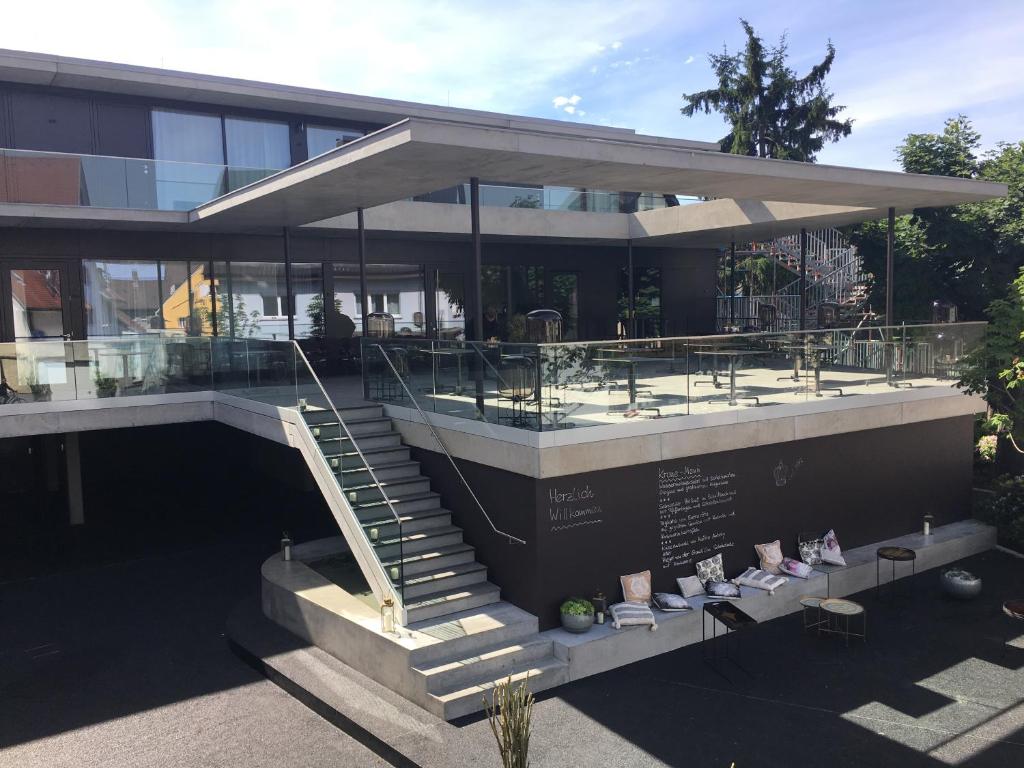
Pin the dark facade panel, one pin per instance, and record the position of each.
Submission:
(869, 486)
(52, 123)
(123, 130)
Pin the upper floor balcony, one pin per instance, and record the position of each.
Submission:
(100, 181)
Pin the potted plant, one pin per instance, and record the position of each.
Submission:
(106, 386)
(577, 615)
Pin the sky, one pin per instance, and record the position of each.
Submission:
(902, 66)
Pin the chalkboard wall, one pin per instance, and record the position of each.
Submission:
(583, 531)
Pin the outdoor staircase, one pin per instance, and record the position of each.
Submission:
(834, 276)
(444, 588)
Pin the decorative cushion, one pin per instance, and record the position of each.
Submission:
(630, 614)
(690, 586)
(755, 577)
(830, 552)
(810, 551)
(711, 569)
(636, 587)
(667, 601)
(795, 568)
(722, 589)
(770, 555)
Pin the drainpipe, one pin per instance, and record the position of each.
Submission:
(478, 297)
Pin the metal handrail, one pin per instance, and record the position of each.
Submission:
(398, 593)
(373, 475)
(437, 439)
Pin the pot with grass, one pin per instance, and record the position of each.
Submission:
(577, 615)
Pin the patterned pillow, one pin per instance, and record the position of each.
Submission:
(667, 601)
(755, 577)
(631, 614)
(770, 555)
(711, 569)
(636, 587)
(795, 568)
(810, 551)
(722, 589)
(830, 551)
(690, 586)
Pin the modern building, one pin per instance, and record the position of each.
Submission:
(187, 267)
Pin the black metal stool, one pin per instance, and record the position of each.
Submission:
(894, 555)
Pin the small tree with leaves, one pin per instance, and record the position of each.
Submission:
(770, 110)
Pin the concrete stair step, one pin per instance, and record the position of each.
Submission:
(367, 441)
(352, 460)
(468, 633)
(420, 541)
(329, 429)
(385, 472)
(451, 601)
(443, 579)
(322, 415)
(433, 559)
(416, 502)
(539, 676)
(492, 664)
(414, 522)
(394, 489)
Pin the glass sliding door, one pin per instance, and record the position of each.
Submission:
(254, 149)
(397, 289)
(451, 306)
(35, 303)
(647, 302)
(565, 298)
(252, 300)
(313, 316)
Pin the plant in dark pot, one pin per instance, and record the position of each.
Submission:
(106, 386)
(577, 615)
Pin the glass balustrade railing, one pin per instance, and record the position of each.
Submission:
(579, 384)
(55, 178)
(276, 373)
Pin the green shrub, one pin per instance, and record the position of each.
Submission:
(1005, 510)
(577, 606)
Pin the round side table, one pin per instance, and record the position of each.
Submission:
(1015, 610)
(811, 604)
(893, 555)
(841, 611)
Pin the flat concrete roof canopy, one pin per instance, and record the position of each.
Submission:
(417, 156)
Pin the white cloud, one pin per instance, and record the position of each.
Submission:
(403, 49)
(616, 45)
(570, 109)
(689, 60)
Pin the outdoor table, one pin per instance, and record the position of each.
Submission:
(1015, 610)
(840, 610)
(124, 355)
(894, 555)
(814, 352)
(732, 354)
(827, 569)
(632, 361)
(734, 619)
(458, 354)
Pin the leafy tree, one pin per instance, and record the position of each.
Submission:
(965, 254)
(771, 111)
(995, 368)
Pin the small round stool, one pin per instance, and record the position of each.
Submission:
(842, 610)
(894, 555)
(812, 603)
(1015, 610)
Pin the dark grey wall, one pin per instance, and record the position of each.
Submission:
(868, 486)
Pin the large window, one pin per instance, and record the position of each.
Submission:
(257, 144)
(252, 300)
(393, 288)
(312, 316)
(187, 137)
(451, 305)
(125, 298)
(321, 138)
(647, 302)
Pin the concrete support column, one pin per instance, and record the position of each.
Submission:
(803, 279)
(73, 461)
(890, 245)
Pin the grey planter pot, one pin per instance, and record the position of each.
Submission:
(960, 584)
(577, 624)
